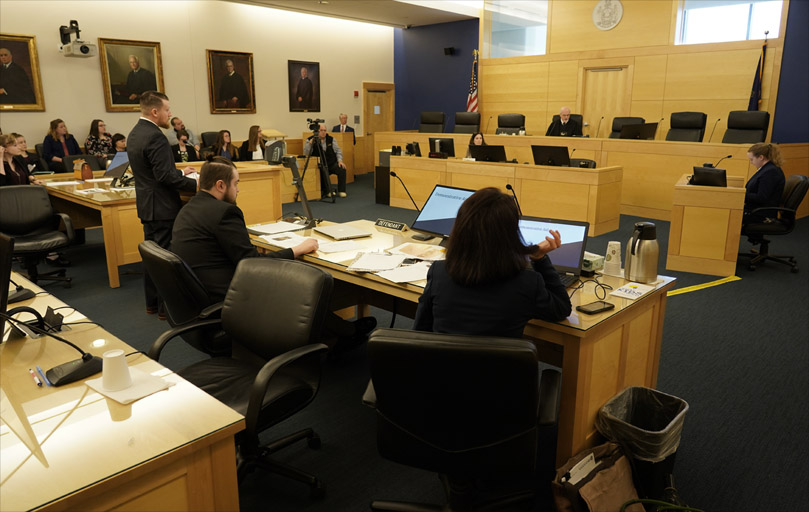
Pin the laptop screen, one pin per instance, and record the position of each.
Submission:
(118, 165)
(568, 257)
(438, 214)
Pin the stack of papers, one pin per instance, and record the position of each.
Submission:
(62, 183)
(424, 252)
(285, 240)
(274, 227)
(376, 262)
(407, 273)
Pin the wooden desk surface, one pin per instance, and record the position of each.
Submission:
(58, 445)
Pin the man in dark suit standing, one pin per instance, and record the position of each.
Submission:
(343, 127)
(158, 182)
(564, 126)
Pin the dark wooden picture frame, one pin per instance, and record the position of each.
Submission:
(122, 83)
(231, 82)
(21, 82)
(304, 92)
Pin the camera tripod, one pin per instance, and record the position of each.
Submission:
(321, 165)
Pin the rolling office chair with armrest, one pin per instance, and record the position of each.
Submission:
(40, 149)
(467, 122)
(780, 221)
(467, 407)
(620, 122)
(746, 127)
(185, 298)
(275, 368)
(208, 139)
(687, 126)
(27, 216)
(509, 124)
(432, 122)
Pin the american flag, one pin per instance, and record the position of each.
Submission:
(472, 98)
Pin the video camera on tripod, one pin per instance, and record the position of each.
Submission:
(314, 125)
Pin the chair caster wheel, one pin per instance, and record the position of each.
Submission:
(318, 490)
(314, 442)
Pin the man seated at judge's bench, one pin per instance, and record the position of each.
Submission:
(565, 126)
(328, 149)
(343, 127)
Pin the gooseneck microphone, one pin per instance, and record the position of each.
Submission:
(405, 188)
(487, 124)
(599, 126)
(714, 128)
(19, 294)
(508, 186)
(717, 163)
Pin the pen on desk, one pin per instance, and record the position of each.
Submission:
(42, 376)
(36, 379)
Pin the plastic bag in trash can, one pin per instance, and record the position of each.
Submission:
(645, 421)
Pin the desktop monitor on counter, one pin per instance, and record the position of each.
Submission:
(488, 153)
(444, 145)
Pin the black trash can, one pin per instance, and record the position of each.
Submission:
(647, 424)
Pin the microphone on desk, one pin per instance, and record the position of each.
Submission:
(599, 126)
(714, 128)
(709, 164)
(19, 294)
(487, 124)
(405, 188)
(508, 186)
(64, 373)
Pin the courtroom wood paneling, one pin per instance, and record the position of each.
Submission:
(649, 81)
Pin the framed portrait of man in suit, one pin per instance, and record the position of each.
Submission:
(231, 82)
(129, 68)
(20, 81)
(304, 86)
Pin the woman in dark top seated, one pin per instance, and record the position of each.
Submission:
(57, 145)
(767, 184)
(184, 151)
(224, 148)
(253, 147)
(491, 283)
(14, 170)
(475, 140)
(32, 161)
(98, 142)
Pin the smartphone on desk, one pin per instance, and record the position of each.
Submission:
(595, 307)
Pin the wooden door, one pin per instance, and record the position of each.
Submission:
(606, 93)
(378, 107)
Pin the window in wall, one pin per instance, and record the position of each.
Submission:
(517, 27)
(714, 21)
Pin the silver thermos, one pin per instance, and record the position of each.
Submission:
(642, 253)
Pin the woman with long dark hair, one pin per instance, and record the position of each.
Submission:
(223, 147)
(58, 143)
(253, 147)
(98, 142)
(491, 283)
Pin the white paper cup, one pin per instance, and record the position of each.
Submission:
(612, 260)
(115, 374)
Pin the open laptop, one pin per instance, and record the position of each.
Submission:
(437, 216)
(342, 231)
(567, 259)
(117, 168)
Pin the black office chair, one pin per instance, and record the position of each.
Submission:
(510, 123)
(620, 122)
(27, 216)
(273, 311)
(467, 122)
(779, 221)
(208, 138)
(185, 298)
(466, 407)
(687, 126)
(432, 122)
(747, 127)
(40, 149)
(583, 162)
(90, 159)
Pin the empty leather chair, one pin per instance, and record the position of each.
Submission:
(747, 127)
(510, 123)
(40, 148)
(90, 159)
(467, 407)
(687, 126)
(26, 215)
(209, 138)
(432, 122)
(620, 122)
(467, 122)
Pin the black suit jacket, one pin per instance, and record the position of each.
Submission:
(191, 150)
(211, 236)
(245, 155)
(765, 188)
(157, 181)
(336, 129)
(555, 129)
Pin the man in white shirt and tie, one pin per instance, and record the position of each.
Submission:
(343, 127)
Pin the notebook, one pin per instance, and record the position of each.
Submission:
(567, 259)
(342, 231)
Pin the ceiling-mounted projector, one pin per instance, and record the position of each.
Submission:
(79, 49)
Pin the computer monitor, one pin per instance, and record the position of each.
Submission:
(709, 176)
(413, 148)
(274, 151)
(442, 145)
(6, 259)
(438, 214)
(645, 131)
(488, 153)
(551, 155)
(568, 257)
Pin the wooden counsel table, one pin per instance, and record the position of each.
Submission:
(260, 195)
(600, 354)
(70, 448)
(705, 228)
(571, 193)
